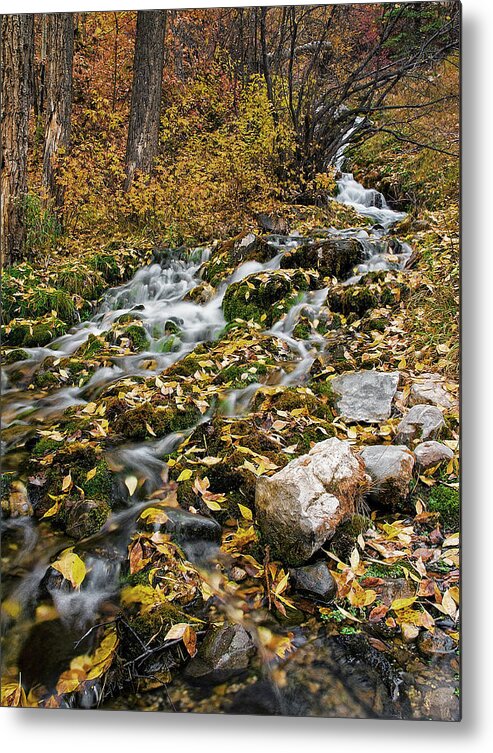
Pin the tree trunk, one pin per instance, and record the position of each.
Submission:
(143, 127)
(17, 59)
(60, 53)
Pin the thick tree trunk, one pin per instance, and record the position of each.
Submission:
(60, 54)
(143, 128)
(17, 58)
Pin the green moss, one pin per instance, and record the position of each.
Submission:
(13, 356)
(355, 299)
(44, 446)
(44, 379)
(137, 336)
(385, 571)
(260, 298)
(107, 265)
(100, 486)
(293, 399)
(446, 502)
(91, 347)
(81, 281)
(331, 258)
(134, 422)
(241, 375)
(31, 333)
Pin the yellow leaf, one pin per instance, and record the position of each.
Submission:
(245, 512)
(402, 603)
(67, 483)
(71, 567)
(185, 475)
(91, 474)
(53, 510)
(131, 484)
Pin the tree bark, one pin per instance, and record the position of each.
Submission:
(17, 59)
(58, 118)
(143, 127)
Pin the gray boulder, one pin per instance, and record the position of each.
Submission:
(431, 453)
(315, 580)
(430, 391)
(365, 396)
(300, 507)
(391, 470)
(421, 422)
(224, 653)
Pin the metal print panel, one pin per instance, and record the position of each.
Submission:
(230, 461)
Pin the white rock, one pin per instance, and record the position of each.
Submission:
(365, 395)
(299, 507)
(432, 453)
(421, 422)
(391, 469)
(431, 391)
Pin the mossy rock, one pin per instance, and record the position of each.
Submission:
(137, 336)
(81, 280)
(294, 399)
(229, 255)
(13, 356)
(45, 379)
(335, 257)
(200, 294)
(92, 347)
(265, 297)
(134, 423)
(32, 333)
(86, 517)
(44, 446)
(446, 502)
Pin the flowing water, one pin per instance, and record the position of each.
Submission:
(157, 296)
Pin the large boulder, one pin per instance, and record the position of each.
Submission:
(334, 257)
(421, 422)
(429, 454)
(300, 507)
(429, 390)
(391, 470)
(365, 396)
(224, 653)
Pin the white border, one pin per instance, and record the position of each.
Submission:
(74, 731)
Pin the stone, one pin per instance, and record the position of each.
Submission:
(315, 580)
(429, 390)
(365, 396)
(335, 257)
(197, 535)
(435, 644)
(272, 223)
(429, 454)
(390, 468)
(86, 517)
(300, 506)
(394, 588)
(224, 653)
(421, 422)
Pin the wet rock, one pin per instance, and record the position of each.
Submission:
(394, 588)
(272, 223)
(315, 580)
(15, 500)
(224, 653)
(390, 468)
(365, 396)
(421, 422)
(441, 704)
(200, 294)
(335, 257)
(430, 391)
(194, 533)
(429, 454)
(435, 644)
(86, 516)
(300, 507)
(186, 525)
